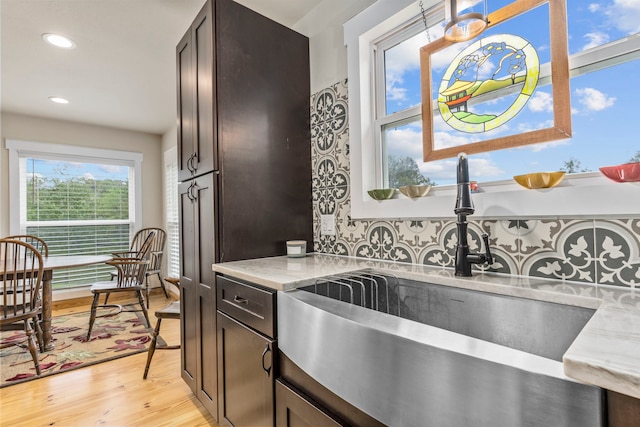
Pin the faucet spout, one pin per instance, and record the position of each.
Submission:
(464, 206)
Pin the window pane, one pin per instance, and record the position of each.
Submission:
(82, 240)
(171, 214)
(67, 205)
(63, 190)
(403, 148)
(402, 72)
(602, 101)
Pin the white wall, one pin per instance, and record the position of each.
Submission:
(328, 62)
(36, 129)
(323, 26)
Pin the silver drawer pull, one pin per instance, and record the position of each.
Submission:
(240, 300)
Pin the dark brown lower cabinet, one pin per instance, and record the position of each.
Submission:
(321, 397)
(296, 410)
(245, 373)
(624, 411)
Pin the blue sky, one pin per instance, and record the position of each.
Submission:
(76, 169)
(602, 102)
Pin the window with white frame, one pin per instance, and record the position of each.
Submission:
(385, 115)
(171, 212)
(83, 203)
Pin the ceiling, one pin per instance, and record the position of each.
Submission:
(122, 72)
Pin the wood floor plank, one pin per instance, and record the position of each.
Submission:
(111, 393)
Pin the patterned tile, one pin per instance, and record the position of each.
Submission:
(351, 231)
(502, 240)
(600, 251)
(617, 254)
(560, 249)
(440, 250)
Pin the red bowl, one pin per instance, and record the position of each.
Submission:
(628, 172)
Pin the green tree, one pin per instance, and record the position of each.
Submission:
(635, 158)
(404, 171)
(55, 199)
(574, 166)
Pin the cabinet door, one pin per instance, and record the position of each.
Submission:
(207, 384)
(188, 287)
(185, 77)
(295, 410)
(197, 152)
(205, 143)
(246, 377)
(197, 199)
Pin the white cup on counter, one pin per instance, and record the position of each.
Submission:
(296, 248)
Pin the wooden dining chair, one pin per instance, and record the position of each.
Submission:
(155, 255)
(171, 311)
(34, 241)
(21, 269)
(42, 247)
(141, 245)
(130, 278)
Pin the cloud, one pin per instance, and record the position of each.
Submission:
(479, 168)
(594, 7)
(440, 170)
(529, 126)
(405, 56)
(483, 167)
(536, 148)
(541, 102)
(112, 169)
(595, 39)
(593, 99)
(443, 58)
(395, 93)
(88, 175)
(446, 139)
(625, 15)
(405, 142)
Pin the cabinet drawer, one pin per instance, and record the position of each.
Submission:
(253, 306)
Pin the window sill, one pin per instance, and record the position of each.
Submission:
(578, 195)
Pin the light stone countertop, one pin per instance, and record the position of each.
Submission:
(606, 353)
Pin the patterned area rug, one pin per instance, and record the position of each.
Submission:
(113, 336)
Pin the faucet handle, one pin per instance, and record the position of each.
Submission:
(488, 258)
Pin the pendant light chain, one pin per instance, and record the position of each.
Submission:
(424, 19)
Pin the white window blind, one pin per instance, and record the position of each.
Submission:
(171, 212)
(79, 204)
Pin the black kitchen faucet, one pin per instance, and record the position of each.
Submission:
(464, 207)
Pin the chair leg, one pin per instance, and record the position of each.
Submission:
(31, 343)
(146, 289)
(152, 348)
(39, 335)
(164, 288)
(144, 308)
(92, 317)
(106, 298)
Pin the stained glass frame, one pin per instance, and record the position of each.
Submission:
(561, 128)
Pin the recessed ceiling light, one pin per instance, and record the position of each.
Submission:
(58, 100)
(59, 41)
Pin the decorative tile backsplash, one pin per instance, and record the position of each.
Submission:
(584, 250)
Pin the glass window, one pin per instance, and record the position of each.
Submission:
(601, 99)
(79, 205)
(385, 114)
(171, 212)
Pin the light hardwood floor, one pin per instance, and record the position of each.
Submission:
(111, 393)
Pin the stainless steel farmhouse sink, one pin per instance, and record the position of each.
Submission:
(410, 353)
